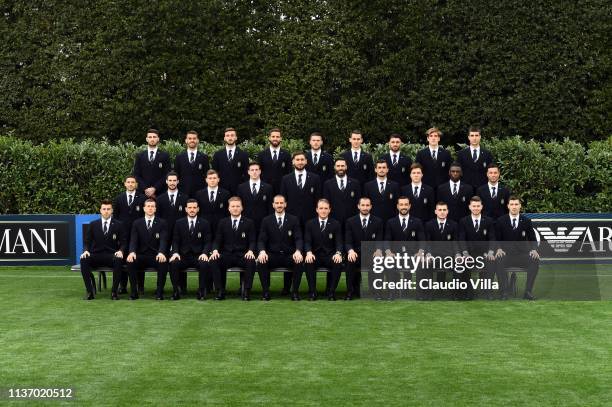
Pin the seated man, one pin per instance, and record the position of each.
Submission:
(103, 246)
(280, 245)
(191, 243)
(323, 247)
(234, 246)
(148, 246)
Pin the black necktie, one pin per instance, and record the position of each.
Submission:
(191, 227)
(341, 185)
(364, 223)
(274, 156)
(229, 155)
(382, 188)
(149, 224)
(315, 159)
(404, 224)
(416, 192)
(235, 227)
(172, 199)
(105, 227)
(394, 159)
(322, 226)
(280, 223)
(254, 189)
(355, 157)
(300, 181)
(493, 194)
(151, 156)
(212, 196)
(474, 155)
(476, 227)
(455, 189)
(441, 227)
(514, 223)
(192, 158)
(130, 199)
(433, 155)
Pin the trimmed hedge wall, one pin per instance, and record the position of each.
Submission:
(72, 177)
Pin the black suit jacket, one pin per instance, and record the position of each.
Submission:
(151, 174)
(169, 213)
(422, 207)
(191, 176)
(235, 242)
(515, 241)
(474, 173)
(273, 172)
(363, 171)
(213, 211)
(285, 240)
(324, 168)
(343, 203)
(448, 237)
(96, 242)
(232, 173)
(149, 242)
(196, 243)
(458, 206)
(383, 206)
(127, 214)
(400, 172)
(323, 242)
(477, 242)
(435, 173)
(494, 208)
(259, 206)
(301, 202)
(354, 234)
(414, 233)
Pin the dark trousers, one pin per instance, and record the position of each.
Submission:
(188, 261)
(278, 260)
(517, 260)
(353, 277)
(101, 260)
(142, 262)
(226, 260)
(333, 276)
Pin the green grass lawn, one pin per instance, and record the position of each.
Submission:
(547, 352)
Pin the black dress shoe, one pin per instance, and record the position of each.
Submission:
(122, 290)
(331, 297)
(114, 297)
(265, 297)
(529, 296)
(312, 297)
(220, 297)
(89, 297)
(159, 298)
(295, 297)
(246, 298)
(348, 297)
(133, 297)
(200, 296)
(175, 297)
(284, 292)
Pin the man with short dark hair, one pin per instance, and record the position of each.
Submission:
(275, 162)
(104, 245)
(474, 160)
(494, 195)
(421, 195)
(191, 166)
(360, 164)
(435, 160)
(398, 163)
(301, 189)
(455, 193)
(231, 162)
(445, 231)
(320, 162)
(256, 196)
(213, 200)
(383, 193)
(151, 166)
(343, 193)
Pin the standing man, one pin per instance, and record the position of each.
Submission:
(148, 248)
(323, 247)
(383, 193)
(493, 194)
(275, 162)
(435, 160)
(302, 189)
(319, 162)
(456, 194)
(343, 193)
(191, 244)
(129, 206)
(398, 163)
(516, 228)
(103, 246)
(360, 164)
(256, 196)
(231, 162)
(151, 166)
(234, 246)
(444, 230)
(213, 200)
(191, 166)
(280, 244)
(474, 160)
(421, 196)
(477, 235)
(359, 228)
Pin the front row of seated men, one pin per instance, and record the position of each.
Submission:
(282, 244)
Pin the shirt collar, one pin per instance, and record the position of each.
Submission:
(236, 218)
(440, 220)
(154, 149)
(273, 149)
(282, 216)
(401, 218)
(476, 218)
(367, 217)
(416, 185)
(493, 185)
(355, 151)
(190, 219)
(213, 189)
(323, 220)
(130, 193)
(258, 181)
(378, 180)
(230, 148)
(195, 150)
(106, 220)
(149, 219)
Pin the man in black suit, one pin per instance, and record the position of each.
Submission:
(231, 162)
(280, 244)
(191, 244)
(275, 162)
(191, 166)
(213, 200)
(435, 160)
(148, 247)
(360, 164)
(256, 196)
(103, 246)
(319, 162)
(127, 207)
(301, 189)
(151, 167)
(359, 228)
(456, 194)
(170, 207)
(398, 163)
(421, 195)
(519, 249)
(383, 193)
(493, 194)
(477, 237)
(323, 247)
(443, 233)
(343, 193)
(234, 246)
(474, 160)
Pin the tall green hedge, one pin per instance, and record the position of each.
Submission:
(72, 177)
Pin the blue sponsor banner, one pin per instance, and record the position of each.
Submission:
(80, 225)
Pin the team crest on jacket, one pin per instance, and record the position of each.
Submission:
(425, 201)
(403, 169)
(180, 208)
(263, 198)
(484, 164)
(448, 237)
(502, 201)
(523, 233)
(443, 164)
(199, 235)
(312, 190)
(365, 166)
(157, 235)
(484, 232)
(243, 235)
(463, 198)
(238, 164)
(373, 235)
(324, 168)
(390, 196)
(114, 236)
(289, 233)
(352, 194)
(161, 165)
(137, 207)
(331, 235)
(283, 164)
(413, 233)
(221, 205)
(199, 166)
